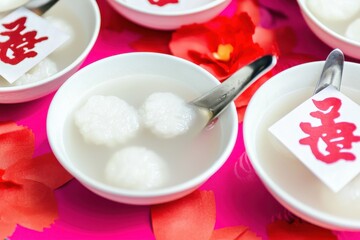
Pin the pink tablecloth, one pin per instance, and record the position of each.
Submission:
(241, 198)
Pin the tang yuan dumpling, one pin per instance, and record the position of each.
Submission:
(334, 10)
(136, 168)
(107, 120)
(42, 70)
(166, 114)
(353, 30)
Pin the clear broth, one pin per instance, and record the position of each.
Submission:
(187, 155)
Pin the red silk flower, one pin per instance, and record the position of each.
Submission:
(226, 44)
(221, 46)
(26, 183)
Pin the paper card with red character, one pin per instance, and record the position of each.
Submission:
(324, 134)
(25, 40)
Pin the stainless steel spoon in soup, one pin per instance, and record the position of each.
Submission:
(332, 71)
(40, 6)
(213, 103)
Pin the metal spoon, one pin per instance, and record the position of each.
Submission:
(40, 6)
(332, 71)
(214, 102)
(8, 5)
(37, 6)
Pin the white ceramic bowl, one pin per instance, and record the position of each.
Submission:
(86, 26)
(286, 178)
(170, 16)
(70, 93)
(327, 34)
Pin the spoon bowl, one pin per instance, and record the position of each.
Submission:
(332, 71)
(214, 102)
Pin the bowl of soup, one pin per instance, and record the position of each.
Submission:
(82, 28)
(336, 23)
(293, 184)
(101, 128)
(169, 15)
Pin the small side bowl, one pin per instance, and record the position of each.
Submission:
(328, 35)
(86, 24)
(73, 90)
(286, 178)
(170, 16)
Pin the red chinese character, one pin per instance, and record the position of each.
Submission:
(19, 44)
(337, 136)
(161, 3)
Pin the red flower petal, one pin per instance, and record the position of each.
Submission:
(187, 39)
(32, 205)
(234, 233)
(6, 229)
(252, 8)
(298, 230)
(267, 40)
(199, 42)
(38, 169)
(17, 144)
(193, 215)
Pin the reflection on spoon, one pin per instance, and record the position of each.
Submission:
(8, 5)
(332, 71)
(214, 102)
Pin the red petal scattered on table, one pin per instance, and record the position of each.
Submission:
(193, 215)
(32, 205)
(234, 233)
(26, 184)
(6, 229)
(17, 144)
(8, 127)
(298, 230)
(45, 169)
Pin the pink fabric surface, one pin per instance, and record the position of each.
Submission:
(241, 199)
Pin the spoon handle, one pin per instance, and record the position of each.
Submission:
(40, 6)
(332, 71)
(217, 100)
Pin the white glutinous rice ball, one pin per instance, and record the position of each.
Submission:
(42, 70)
(136, 168)
(353, 30)
(166, 114)
(334, 10)
(107, 120)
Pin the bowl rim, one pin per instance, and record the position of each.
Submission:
(105, 188)
(207, 6)
(309, 213)
(306, 11)
(96, 11)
